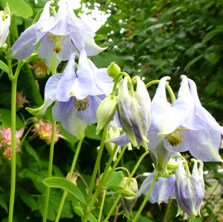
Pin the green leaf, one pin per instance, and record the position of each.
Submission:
(90, 132)
(32, 152)
(116, 180)
(58, 182)
(4, 67)
(18, 7)
(28, 199)
(212, 33)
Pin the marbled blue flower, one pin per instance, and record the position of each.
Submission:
(186, 125)
(163, 190)
(59, 36)
(134, 110)
(77, 94)
(189, 188)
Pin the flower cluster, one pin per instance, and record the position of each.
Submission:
(6, 141)
(44, 131)
(181, 126)
(80, 88)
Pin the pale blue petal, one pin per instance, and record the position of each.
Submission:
(74, 125)
(165, 116)
(201, 117)
(51, 87)
(89, 114)
(25, 44)
(121, 140)
(163, 190)
(62, 109)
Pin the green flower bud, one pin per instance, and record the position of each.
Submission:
(129, 201)
(113, 70)
(105, 112)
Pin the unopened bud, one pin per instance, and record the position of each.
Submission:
(113, 70)
(105, 112)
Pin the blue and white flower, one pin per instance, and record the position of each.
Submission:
(59, 36)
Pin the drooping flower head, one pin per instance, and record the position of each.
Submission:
(185, 125)
(134, 110)
(77, 92)
(59, 36)
(163, 190)
(189, 188)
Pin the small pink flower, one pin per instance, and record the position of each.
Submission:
(20, 99)
(6, 141)
(44, 131)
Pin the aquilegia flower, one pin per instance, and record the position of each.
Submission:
(59, 36)
(6, 141)
(77, 93)
(186, 188)
(189, 188)
(134, 111)
(185, 125)
(163, 190)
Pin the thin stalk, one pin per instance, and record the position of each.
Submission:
(102, 205)
(50, 168)
(112, 208)
(146, 198)
(69, 178)
(14, 79)
(94, 174)
(169, 89)
(105, 176)
(168, 210)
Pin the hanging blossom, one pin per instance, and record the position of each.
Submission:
(134, 111)
(6, 141)
(59, 36)
(77, 93)
(187, 188)
(185, 125)
(44, 131)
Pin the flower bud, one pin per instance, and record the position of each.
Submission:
(113, 70)
(129, 201)
(189, 188)
(105, 112)
(134, 110)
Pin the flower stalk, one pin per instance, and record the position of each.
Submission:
(50, 168)
(14, 79)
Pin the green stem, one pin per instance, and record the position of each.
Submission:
(94, 174)
(138, 163)
(69, 178)
(112, 208)
(102, 205)
(105, 176)
(13, 79)
(167, 213)
(169, 89)
(50, 168)
(146, 198)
